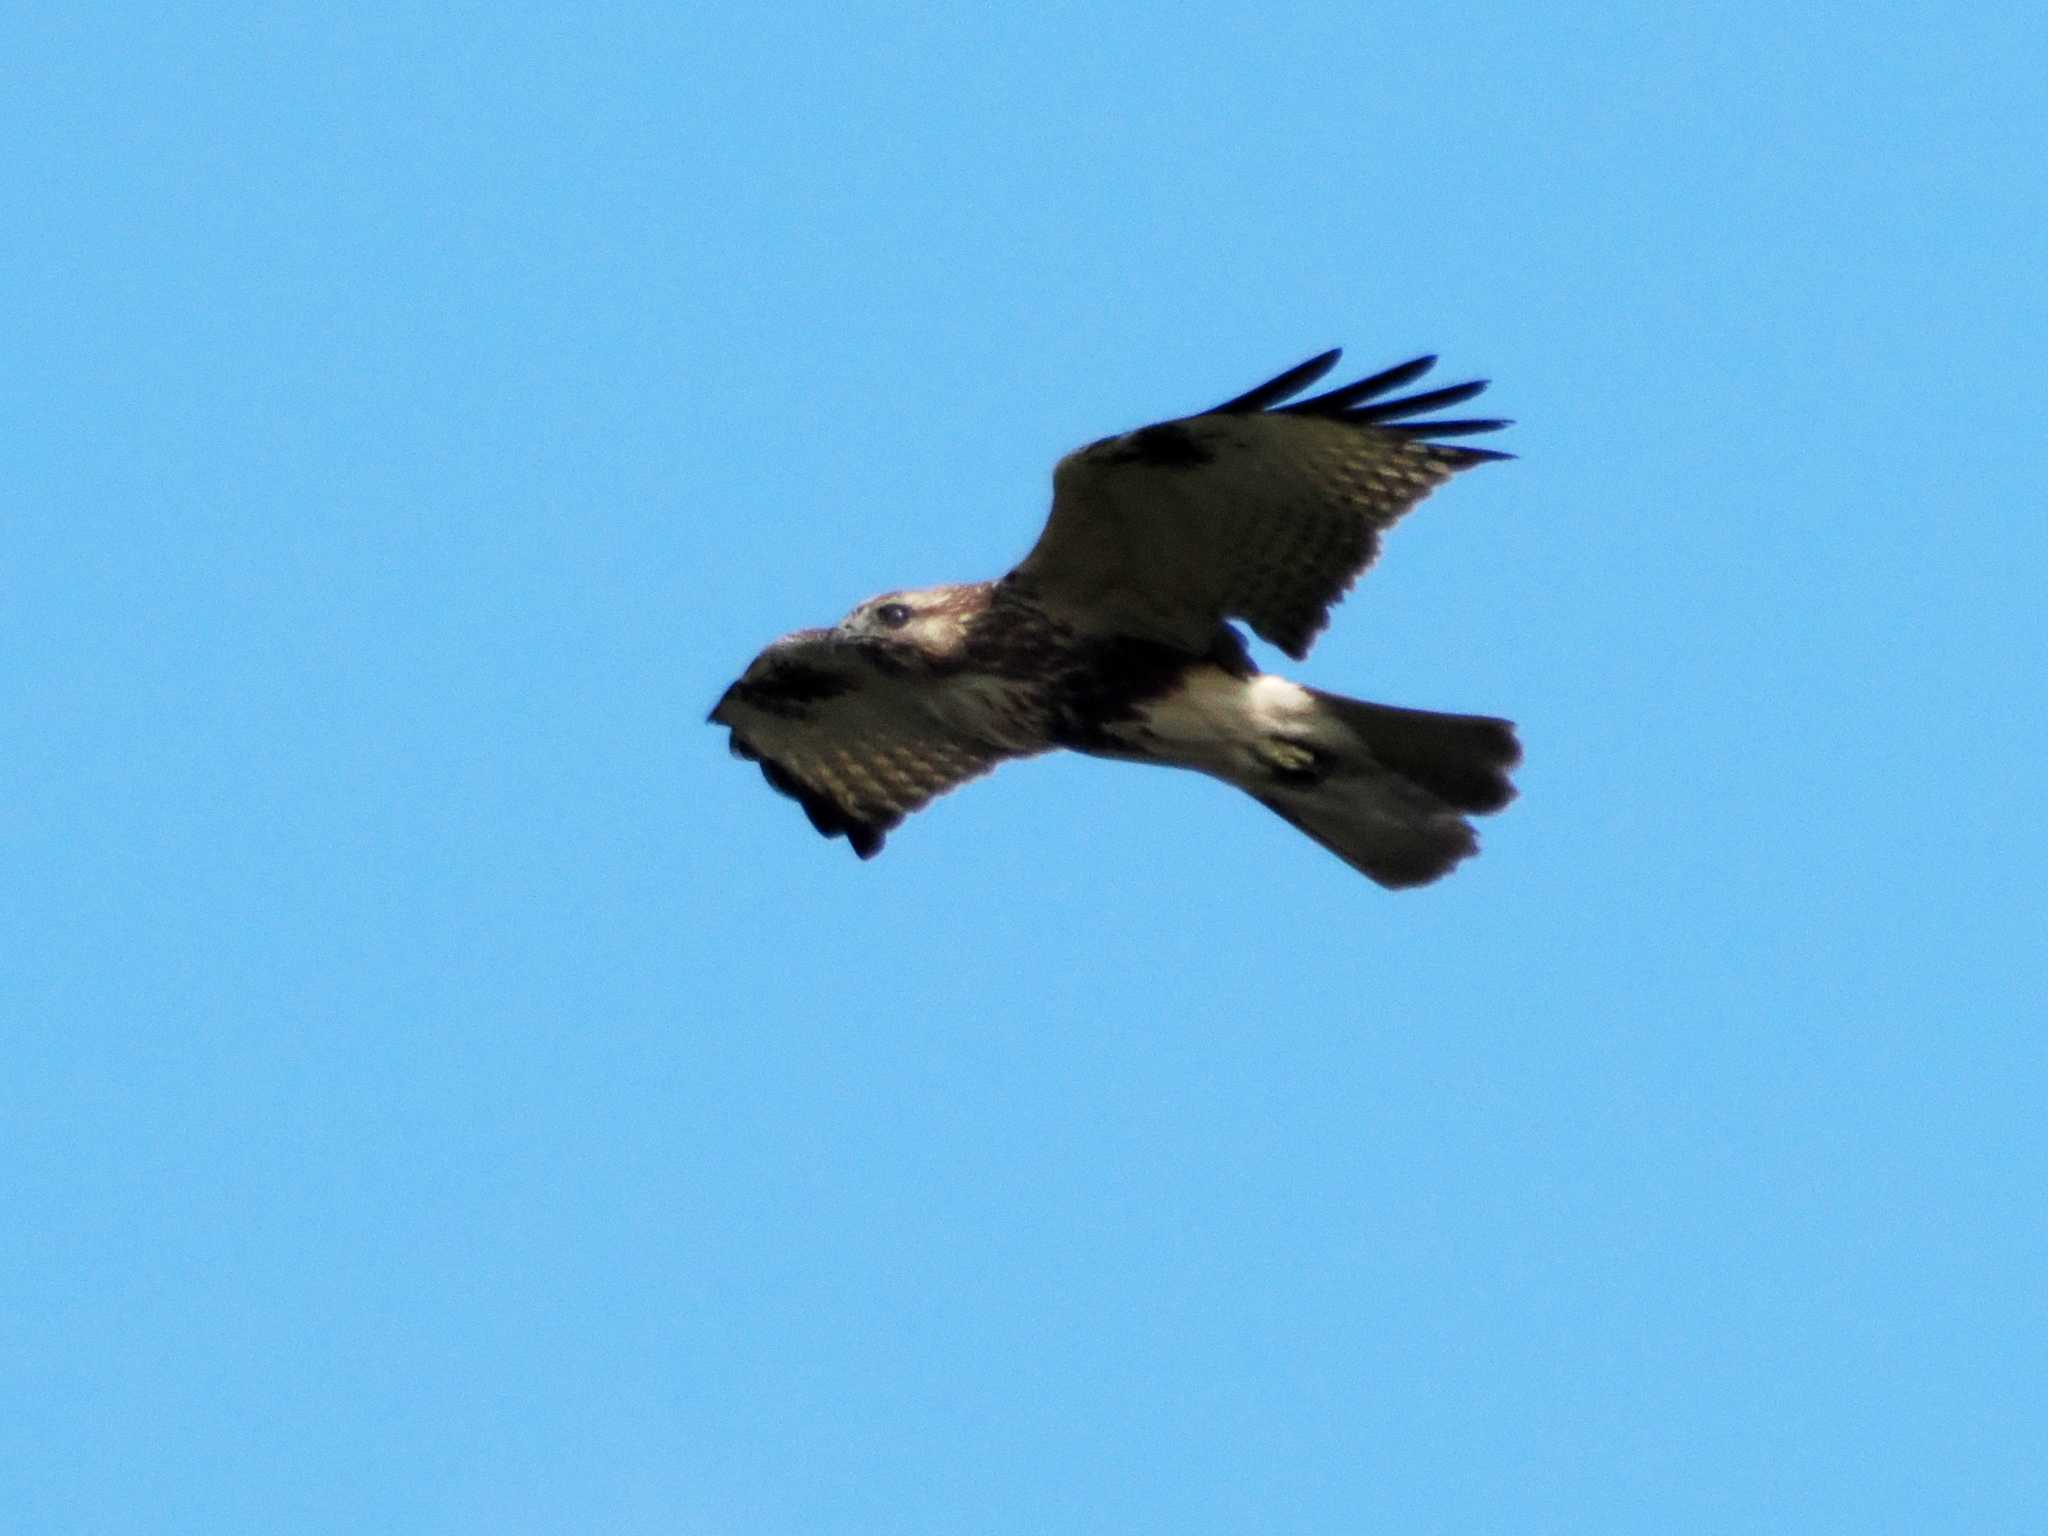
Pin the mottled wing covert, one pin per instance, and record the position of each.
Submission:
(1254, 510)
(847, 737)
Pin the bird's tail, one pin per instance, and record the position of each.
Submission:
(1387, 790)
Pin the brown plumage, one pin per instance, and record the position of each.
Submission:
(1113, 637)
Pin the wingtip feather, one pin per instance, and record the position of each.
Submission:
(1280, 386)
(1362, 404)
(1379, 383)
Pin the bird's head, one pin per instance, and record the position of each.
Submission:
(931, 622)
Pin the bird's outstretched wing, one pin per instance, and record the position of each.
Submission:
(1254, 510)
(848, 734)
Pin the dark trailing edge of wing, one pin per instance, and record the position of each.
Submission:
(827, 817)
(1345, 404)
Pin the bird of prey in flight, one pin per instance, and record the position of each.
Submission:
(1114, 637)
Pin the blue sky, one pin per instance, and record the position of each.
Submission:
(448, 1094)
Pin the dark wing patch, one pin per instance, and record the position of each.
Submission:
(844, 730)
(1257, 510)
(791, 688)
(1166, 446)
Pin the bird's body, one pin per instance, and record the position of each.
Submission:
(1113, 638)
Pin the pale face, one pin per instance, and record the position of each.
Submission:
(932, 619)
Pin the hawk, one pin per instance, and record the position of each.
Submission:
(1114, 637)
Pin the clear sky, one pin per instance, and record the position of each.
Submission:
(446, 1093)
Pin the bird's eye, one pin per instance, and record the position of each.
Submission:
(894, 615)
